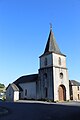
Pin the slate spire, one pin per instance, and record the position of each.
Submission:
(51, 45)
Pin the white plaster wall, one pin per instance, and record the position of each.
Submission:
(31, 90)
(56, 60)
(21, 95)
(48, 84)
(38, 90)
(58, 81)
(53, 61)
(16, 95)
(49, 61)
(57, 69)
(9, 94)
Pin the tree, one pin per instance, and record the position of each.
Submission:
(2, 85)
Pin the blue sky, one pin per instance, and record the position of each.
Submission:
(24, 30)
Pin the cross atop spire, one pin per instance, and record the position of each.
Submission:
(50, 26)
(51, 45)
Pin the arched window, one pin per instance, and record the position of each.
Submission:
(45, 76)
(46, 92)
(45, 62)
(45, 80)
(59, 61)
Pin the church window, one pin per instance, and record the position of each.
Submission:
(45, 80)
(59, 61)
(45, 62)
(45, 92)
(45, 76)
(61, 75)
(25, 92)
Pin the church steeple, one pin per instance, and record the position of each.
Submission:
(51, 45)
(53, 74)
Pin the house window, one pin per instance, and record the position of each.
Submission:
(59, 61)
(25, 92)
(78, 96)
(78, 87)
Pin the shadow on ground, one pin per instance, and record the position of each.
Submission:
(40, 111)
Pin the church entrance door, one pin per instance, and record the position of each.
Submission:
(62, 93)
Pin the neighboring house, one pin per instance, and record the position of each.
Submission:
(51, 82)
(74, 90)
(12, 92)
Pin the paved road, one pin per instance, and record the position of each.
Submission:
(41, 111)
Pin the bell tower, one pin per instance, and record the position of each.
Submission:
(53, 74)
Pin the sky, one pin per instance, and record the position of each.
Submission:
(24, 30)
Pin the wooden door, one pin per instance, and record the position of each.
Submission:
(62, 93)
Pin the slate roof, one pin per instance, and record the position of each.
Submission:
(27, 78)
(15, 88)
(51, 45)
(74, 83)
(19, 88)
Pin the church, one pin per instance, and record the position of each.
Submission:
(51, 82)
